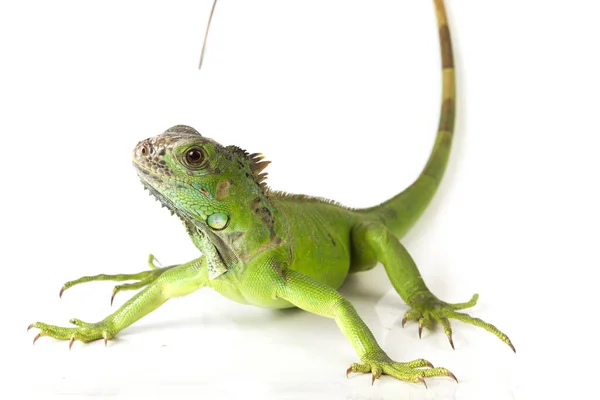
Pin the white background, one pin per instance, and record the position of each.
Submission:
(343, 97)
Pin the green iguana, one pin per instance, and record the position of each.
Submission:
(277, 250)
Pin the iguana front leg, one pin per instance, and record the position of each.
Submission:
(373, 242)
(315, 297)
(173, 282)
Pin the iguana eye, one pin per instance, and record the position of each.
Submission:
(195, 157)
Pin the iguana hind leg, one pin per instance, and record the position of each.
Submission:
(374, 242)
(172, 282)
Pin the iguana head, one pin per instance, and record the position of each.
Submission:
(199, 179)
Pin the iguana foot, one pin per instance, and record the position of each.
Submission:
(168, 282)
(414, 371)
(144, 278)
(428, 309)
(84, 332)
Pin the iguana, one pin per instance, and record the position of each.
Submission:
(277, 250)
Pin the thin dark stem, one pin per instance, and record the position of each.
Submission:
(212, 11)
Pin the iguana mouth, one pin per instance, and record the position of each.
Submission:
(148, 176)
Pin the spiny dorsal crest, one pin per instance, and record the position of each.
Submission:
(257, 165)
(256, 162)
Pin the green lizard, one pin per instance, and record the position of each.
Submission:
(277, 250)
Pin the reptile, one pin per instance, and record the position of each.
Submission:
(273, 249)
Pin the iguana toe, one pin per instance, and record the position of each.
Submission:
(414, 371)
(427, 309)
(84, 332)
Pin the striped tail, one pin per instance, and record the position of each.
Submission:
(402, 211)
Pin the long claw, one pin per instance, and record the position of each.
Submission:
(422, 380)
(71, 342)
(348, 371)
(105, 339)
(430, 365)
(112, 298)
(29, 327)
(512, 347)
(404, 321)
(373, 377)
(420, 329)
(62, 290)
(451, 375)
(451, 342)
(37, 337)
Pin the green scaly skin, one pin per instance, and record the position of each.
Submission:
(272, 249)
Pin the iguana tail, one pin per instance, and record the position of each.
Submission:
(401, 212)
